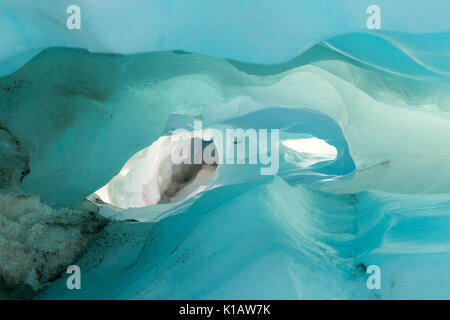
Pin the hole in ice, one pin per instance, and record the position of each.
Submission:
(151, 176)
(309, 151)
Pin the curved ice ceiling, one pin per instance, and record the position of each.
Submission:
(257, 31)
(70, 119)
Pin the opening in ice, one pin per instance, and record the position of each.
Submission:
(155, 174)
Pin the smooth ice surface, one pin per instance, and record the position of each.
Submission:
(259, 31)
(70, 119)
(272, 240)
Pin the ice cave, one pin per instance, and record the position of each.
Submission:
(328, 146)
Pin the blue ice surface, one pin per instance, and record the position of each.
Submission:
(269, 240)
(258, 31)
(250, 237)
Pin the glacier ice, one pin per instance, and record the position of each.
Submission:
(86, 115)
(275, 32)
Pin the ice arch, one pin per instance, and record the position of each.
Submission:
(101, 104)
(146, 178)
